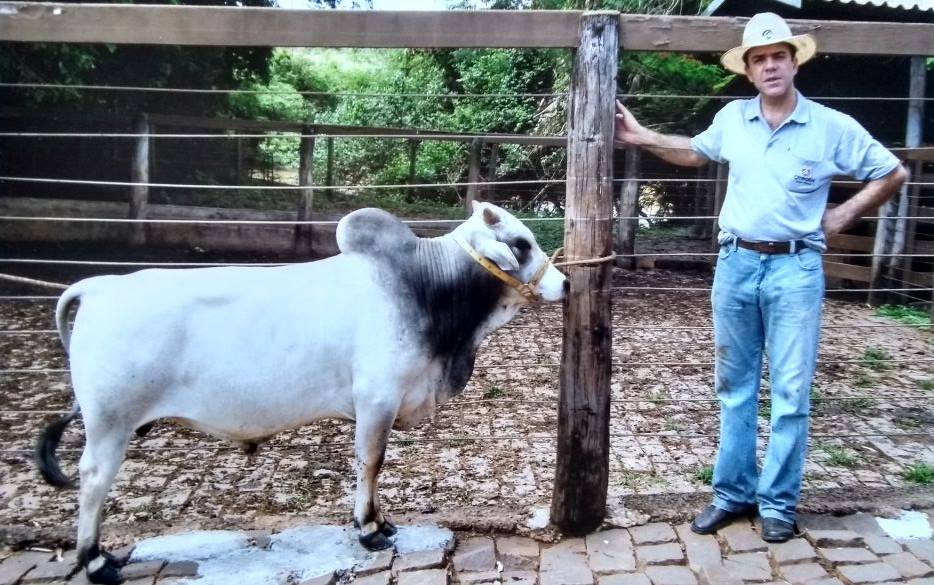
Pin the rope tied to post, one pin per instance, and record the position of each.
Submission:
(585, 262)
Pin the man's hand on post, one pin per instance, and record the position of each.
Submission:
(626, 128)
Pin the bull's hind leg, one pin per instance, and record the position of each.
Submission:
(103, 454)
(372, 433)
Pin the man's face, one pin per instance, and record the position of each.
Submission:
(772, 69)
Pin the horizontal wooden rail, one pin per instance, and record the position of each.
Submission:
(232, 26)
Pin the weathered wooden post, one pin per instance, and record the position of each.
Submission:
(413, 157)
(306, 200)
(473, 173)
(139, 174)
(914, 127)
(489, 190)
(629, 208)
(890, 234)
(329, 175)
(582, 471)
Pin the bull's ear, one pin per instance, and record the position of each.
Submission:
(490, 217)
(499, 253)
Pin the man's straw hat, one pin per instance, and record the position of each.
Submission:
(767, 28)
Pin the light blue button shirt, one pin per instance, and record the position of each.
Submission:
(779, 179)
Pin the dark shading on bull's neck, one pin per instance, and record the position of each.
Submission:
(453, 296)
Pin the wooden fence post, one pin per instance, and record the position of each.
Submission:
(306, 167)
(413, 156)
(473, 173)
(914, 127)
(329, 174)
(582, 471)
(139, 173)
(629, 207)
(489, 190)
(890, 234)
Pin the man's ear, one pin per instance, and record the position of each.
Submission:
(499, 253)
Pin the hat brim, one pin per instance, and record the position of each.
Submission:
(805, 49)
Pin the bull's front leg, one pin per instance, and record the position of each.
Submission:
(374, 421)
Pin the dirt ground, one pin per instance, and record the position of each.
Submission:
(488, 458)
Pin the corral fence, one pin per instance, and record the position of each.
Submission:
(583, 439)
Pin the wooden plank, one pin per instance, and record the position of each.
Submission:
(921, 279)
(716, 34)
(583, 445)
(847, 271)
(241, 26)
(277, 239)
(850, 242)
(920, 154)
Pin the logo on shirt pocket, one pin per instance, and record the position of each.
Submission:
(807, 175)
(804, 176)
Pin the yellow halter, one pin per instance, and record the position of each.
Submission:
(526, 289)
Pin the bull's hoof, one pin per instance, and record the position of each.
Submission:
(388, 529)
(106, 574)
(375, 541)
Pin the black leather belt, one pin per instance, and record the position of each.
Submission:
(772, 247)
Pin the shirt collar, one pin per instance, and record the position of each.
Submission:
(801, 114)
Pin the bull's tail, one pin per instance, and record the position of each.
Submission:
(68, 298)
(45, 450)
(50, 437)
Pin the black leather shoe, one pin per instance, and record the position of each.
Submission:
(775, 530)
(712, 519)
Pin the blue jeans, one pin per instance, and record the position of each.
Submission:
(770, 302)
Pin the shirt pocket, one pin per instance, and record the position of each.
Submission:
(805, 175)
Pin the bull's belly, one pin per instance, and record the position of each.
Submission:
(259, 417)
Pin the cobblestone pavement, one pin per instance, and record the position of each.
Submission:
(493, 447)
(844, 550)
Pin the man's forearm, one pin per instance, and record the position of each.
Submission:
(672, 148)
(870, 197)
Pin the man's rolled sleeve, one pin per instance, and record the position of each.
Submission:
(861, 156)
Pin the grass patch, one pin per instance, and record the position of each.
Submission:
(863, 380)
(840, 456)
(495, 392)
(855, 405)
(655, 396)
(904, 314)
(673, 425)
(927, 384)
(875, 358)
(920, 473)
(765, 409)
(704, 474)
(907, 424)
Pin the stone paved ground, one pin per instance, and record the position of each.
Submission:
(845, 550)
(492, 448)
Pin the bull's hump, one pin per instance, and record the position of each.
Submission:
(374, 232)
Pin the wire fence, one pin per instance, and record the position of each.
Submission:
(859, 400)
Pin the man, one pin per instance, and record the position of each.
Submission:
(783, 151)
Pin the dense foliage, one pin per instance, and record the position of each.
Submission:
(458, 91)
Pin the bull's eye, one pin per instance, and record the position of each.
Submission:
(522, 245)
